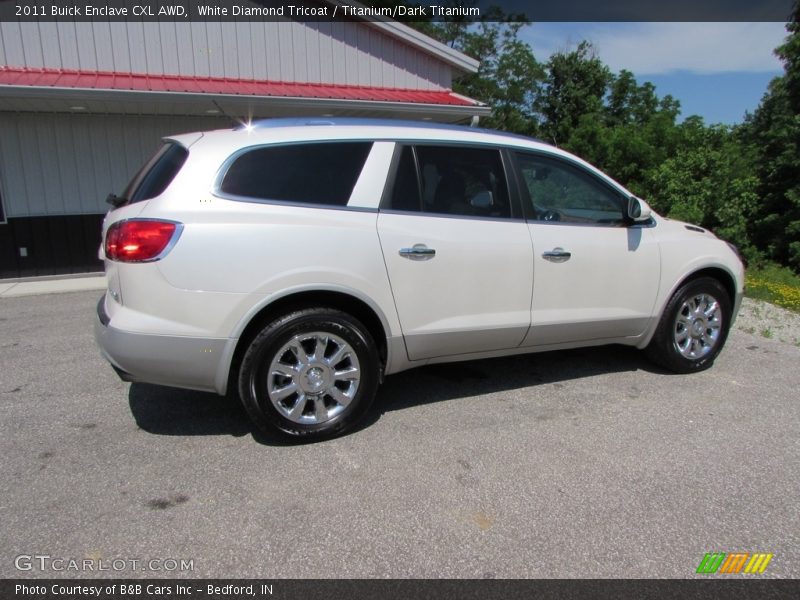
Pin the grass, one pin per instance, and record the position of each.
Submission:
(775, 284)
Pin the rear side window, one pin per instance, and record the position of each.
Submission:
(319, 173)
(157, 173)
(451, 180)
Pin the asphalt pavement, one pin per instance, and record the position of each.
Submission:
(585, 463)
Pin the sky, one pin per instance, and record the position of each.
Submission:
(716, 70)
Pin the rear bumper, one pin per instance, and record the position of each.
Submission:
(176, 361)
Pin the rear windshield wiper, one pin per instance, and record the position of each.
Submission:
(115, 201)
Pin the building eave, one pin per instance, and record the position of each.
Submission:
(92, 101)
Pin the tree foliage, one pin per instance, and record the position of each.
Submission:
(773, 132)
(743, 182)
(508, 78)
(574, 87)
(708, 181)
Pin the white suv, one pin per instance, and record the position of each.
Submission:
(302, 261)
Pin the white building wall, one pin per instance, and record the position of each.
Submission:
(348, 53)
(66, 164)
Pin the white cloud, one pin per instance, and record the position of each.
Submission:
(657, 48)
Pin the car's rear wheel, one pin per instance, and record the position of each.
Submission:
(693, 327)
(310, 374)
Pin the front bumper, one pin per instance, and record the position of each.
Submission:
(175, 361)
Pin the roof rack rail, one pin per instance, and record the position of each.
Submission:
(311, 121)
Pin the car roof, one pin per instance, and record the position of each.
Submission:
(382, 123)
(292, 130)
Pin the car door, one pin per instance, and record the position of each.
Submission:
(596, 274)
(458, 257)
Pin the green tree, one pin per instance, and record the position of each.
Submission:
(709, 181)
(509, 76)
(574, 88)
(643, 142)
(632, 133)
(789, 52)
(628, 102)
(773, 133)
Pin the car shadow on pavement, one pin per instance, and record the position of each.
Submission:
(173, 411)
(449, 381)
(170, 411)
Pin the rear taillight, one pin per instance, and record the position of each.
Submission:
(140, 240)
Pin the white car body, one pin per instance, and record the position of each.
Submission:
(488, 290)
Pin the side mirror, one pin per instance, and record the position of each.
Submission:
(638, 210)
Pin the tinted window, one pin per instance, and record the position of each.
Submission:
(559, 191)
(462, 181)
(2, 214)
(321, 173)
(157, 173)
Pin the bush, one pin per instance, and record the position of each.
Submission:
(775, 284)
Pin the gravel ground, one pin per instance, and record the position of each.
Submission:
(587, 463)
(769, 321)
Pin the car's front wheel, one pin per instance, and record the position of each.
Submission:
(693, 327)
(310, 374)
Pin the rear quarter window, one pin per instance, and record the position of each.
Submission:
(316, 173)
(157, 173)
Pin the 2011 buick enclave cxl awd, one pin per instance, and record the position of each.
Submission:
(301, 261)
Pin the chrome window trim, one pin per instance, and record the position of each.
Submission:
(292, 203)
(414, 213)
(620, 225)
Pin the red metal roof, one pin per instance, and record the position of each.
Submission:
(106, 80)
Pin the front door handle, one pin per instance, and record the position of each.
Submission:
(557, 255)
(418, 252)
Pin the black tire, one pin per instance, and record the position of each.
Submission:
(257, 378)
(664, 349)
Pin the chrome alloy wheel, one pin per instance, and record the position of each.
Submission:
(697, 326)
(313, 378)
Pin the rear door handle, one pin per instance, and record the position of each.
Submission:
(418, 252)
(557, 255)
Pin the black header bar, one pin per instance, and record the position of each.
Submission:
(407, 589)
(400, 10)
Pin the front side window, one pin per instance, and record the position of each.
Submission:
(157, 173)
(317, 173)
(451, 180)
(560, 192)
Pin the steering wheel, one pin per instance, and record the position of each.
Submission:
(549, 215)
